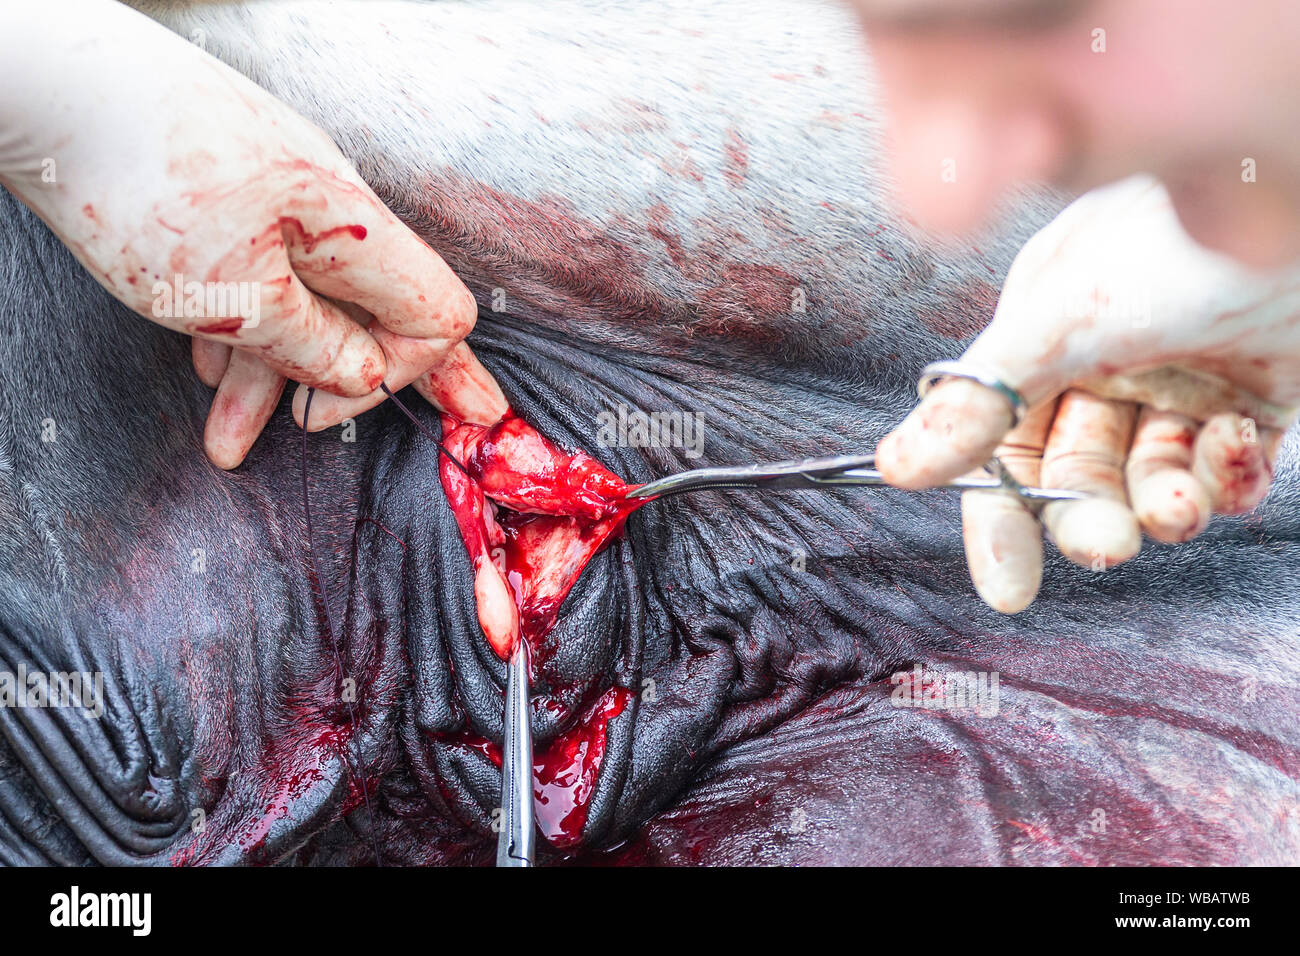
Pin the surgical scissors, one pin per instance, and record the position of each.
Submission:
(515, 841)
(831, 472)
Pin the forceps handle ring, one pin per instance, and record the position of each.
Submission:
(958, 369)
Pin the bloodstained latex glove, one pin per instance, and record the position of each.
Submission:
(1159, 377)
(208, 206)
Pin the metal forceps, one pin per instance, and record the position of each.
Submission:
(516, 839)
(830, 472)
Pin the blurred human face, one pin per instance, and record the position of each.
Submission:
(985, 94)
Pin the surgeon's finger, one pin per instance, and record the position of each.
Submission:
(1170, 503)
(210, 360)
(1233, 459)
(955, 428)
(405, 358)
(304, 337)
(462, 387)
(377, 262)
(1085, 451)
(1191, 392)
(249, 392)
(1003, 539)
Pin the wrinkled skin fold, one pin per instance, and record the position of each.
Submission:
(700, 231)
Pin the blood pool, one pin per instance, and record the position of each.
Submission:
(564, 774)
(532, 515)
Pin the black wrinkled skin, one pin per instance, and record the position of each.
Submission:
(1161, 693)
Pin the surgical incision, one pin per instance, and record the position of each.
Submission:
(531, 515)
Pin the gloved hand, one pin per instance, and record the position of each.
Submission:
(208, 206)
(1159, 376)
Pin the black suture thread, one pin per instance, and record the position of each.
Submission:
(329, 623)
(424, 429)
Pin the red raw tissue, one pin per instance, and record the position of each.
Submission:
(531, 515)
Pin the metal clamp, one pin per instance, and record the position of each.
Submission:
(515, 842)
